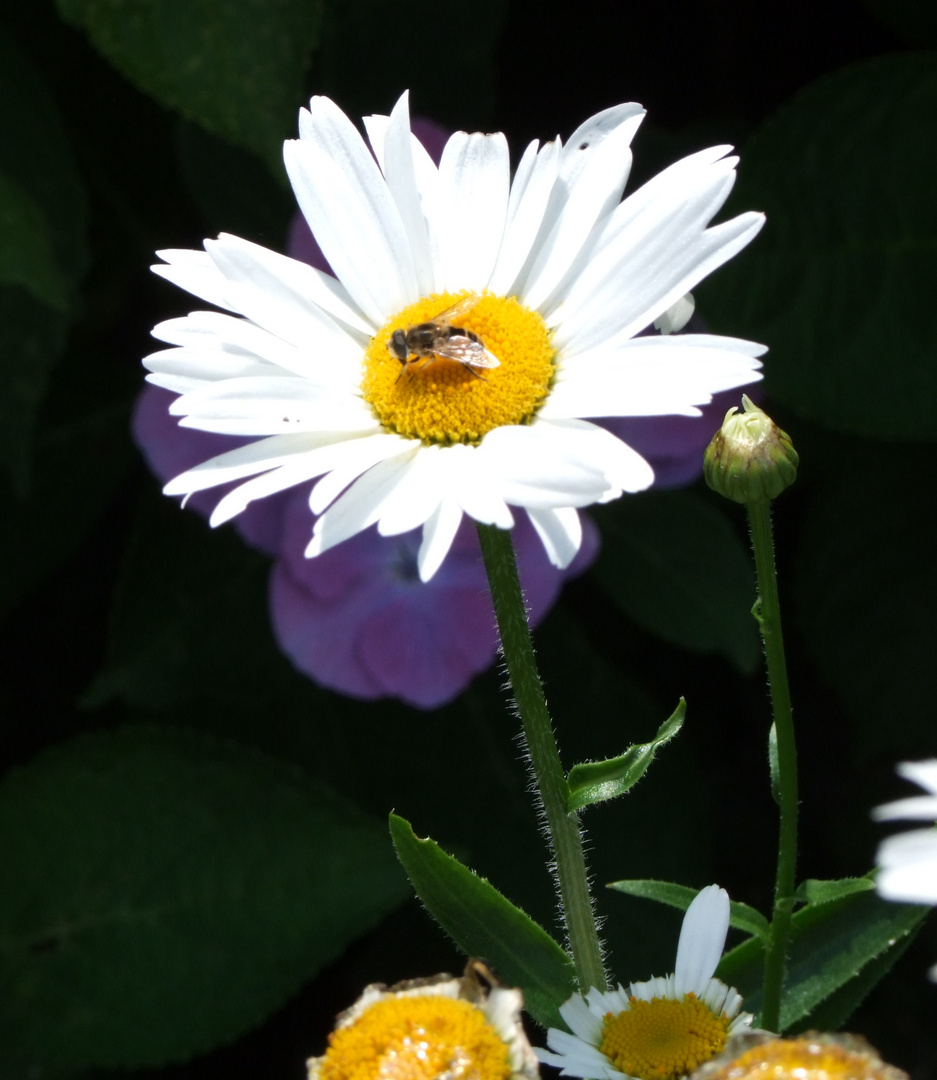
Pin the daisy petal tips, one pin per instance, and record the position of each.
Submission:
(907, 862)
(661, 1029)
(474, 325)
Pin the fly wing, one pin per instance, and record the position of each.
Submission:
(458, 309)
(465, 351)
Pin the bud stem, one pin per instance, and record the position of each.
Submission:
(564, 833)
(768, 613)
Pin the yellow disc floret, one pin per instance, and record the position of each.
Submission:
(444, 401)
(417, 1037)
(663, 1038)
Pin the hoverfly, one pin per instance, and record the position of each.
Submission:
(441, 338)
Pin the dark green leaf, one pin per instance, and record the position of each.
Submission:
(43, 251)
(234, 66)
(485, 924)
(813, 891)
(915, 21)
(35, 154)
(840, 283)
(189, 619)
(831, 944)
(675, 565)
(741, 916)
(831, 1014)
(358, 67)
(596, 781)
(865, 593)
(163, 892)
(26, 256)
(32, 337)
(32, 541)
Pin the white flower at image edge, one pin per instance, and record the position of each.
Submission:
(661, 1029)
(907, 862)
(553, 274)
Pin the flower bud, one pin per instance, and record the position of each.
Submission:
(750, 458)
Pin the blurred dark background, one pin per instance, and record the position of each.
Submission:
(119, 610)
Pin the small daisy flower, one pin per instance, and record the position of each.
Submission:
(431, 1029)
(473, 326)
(661, 1029)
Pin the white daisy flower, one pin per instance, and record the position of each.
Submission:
(473, 326)
(431, 1029)
(661, 1029)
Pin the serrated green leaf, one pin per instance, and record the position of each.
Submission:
(596, 781)
(675, 565)
(164, 892)
(485, 924)
(831, 1014)
(234, 66)
(841, 280)
(741, 916)
(813, 891)
(830, 946)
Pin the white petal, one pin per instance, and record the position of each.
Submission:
(418, 494)
(908, 867)
(182, 370)
(561, 534)
(659, 257)
(352, 459)
(917, 806)
(275, 292)
(702, 939)
(438, 533)
(561, 463)
(676, 316)
(219, 338)
(255, 457)
(398, 151)
(195, 272)
(923, 773)
(469, 216)
(531, 189)
(592, 132)
(651, 376)
(270, 405)
(351, 212)
(596, 190)
(581, 1020)
(361, 505)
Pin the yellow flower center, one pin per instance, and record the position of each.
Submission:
(426, 1037)
(802, 1059)
(440, 400)
(663, 1039)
